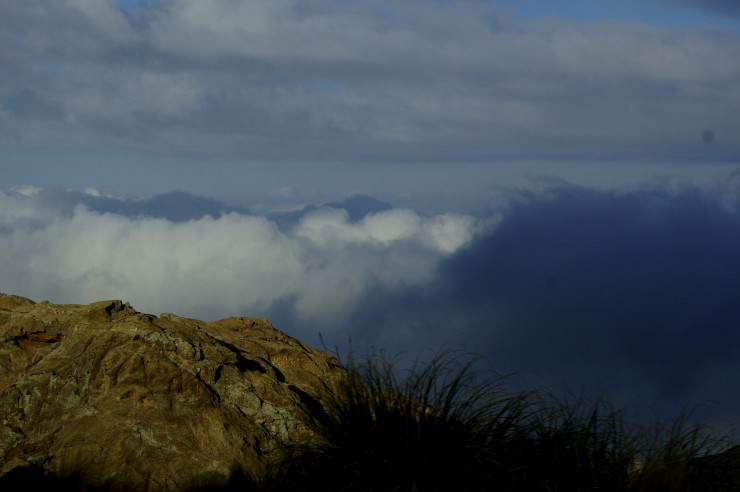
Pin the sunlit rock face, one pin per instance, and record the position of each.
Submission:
(133, 401)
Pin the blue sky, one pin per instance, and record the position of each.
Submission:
(666, 13)
(680, 14)
(532, 180)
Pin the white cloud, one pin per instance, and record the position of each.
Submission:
(443, 233)
(321, 270)
(393, 249)
(26, 190)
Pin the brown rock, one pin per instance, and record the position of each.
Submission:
(138, 402)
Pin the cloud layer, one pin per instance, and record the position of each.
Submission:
(70, 247)
(283, 79)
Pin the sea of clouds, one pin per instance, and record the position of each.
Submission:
(633, 293)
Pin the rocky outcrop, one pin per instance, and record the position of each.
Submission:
(127, 400)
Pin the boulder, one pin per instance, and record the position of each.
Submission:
(130, 401)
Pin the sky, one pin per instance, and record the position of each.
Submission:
(552, 185)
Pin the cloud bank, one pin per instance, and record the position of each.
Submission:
(633, 293)
(70, 247)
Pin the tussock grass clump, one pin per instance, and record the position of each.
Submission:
(675, 456)
(433, 429)
(439, 427)
(576, 446)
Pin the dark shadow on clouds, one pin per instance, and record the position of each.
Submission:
(635, 294)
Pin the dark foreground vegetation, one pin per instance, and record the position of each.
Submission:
(439, 426)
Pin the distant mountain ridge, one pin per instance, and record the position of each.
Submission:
(183, 206)
(357, 207)
(175, 206)
(132, 401)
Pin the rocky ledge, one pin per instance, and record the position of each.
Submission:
(127, 400)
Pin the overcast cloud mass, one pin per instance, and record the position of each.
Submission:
(551, 184)
(355, 81)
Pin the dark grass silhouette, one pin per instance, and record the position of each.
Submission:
(436, 428)
(679, 456)
(441, 426)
